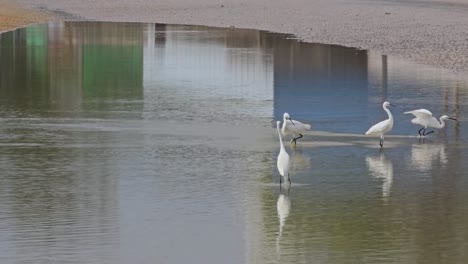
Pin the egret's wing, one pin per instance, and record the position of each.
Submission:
(283, 163)
(297, 126)
(287, 163)
(378, 128)
(301, 125)
(289, 123)
(424, 113)
(433, 122)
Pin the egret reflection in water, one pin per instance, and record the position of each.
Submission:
(423, 155)
(381, 168)
(299, 161)
(283, 206)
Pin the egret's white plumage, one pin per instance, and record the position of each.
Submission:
(425, 119)
(283, 157)
(382, 127)
(293, 127)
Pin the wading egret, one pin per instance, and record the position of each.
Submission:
(283, 157)
(293, 127)
(382, 127)
(425, 119)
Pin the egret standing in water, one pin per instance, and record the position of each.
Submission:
(283, 157)
(425, 119)
(293, 127)
(382, 127)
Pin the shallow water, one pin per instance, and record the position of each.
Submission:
(144, 143)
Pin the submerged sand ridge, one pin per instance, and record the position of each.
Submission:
(429, 32)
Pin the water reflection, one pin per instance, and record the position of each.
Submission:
(129, 143)
(299, 161)
(52, 204)
(283, 206)
(424, 155)
(71, 67)
(381, 168)
(119, 139)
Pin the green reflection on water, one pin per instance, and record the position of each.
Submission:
(70, 67)
(112, 71)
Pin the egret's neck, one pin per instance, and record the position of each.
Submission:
(283, 128)
(390, 116)
(442, 123)
(279, 135)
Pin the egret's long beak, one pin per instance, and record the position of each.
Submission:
(291, 121)
(453, 118)
(393, 105)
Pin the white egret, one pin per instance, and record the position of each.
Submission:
(425, 119)
(382, 127)
(283, 157)
(293, 127)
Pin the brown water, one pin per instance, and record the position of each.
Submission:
(144, 143)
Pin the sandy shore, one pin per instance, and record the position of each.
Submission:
(427, 31)
(13, 16)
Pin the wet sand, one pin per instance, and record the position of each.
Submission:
(426, 31)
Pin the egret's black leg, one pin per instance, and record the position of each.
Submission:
(289, 179)
(428, 133)
(296, 138)
(381, 143)
(300, 136)
(419, 132)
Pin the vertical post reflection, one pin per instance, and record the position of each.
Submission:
(384, 81)
(457, 110)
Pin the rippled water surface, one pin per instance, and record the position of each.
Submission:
(150, 143)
